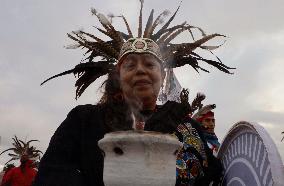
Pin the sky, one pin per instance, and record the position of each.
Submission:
(33, 36)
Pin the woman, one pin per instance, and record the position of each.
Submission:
(136, 70)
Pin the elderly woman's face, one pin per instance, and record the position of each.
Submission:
(141, 77)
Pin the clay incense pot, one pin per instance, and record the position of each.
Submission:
(139, 158)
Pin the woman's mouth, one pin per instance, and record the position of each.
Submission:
(142, 82)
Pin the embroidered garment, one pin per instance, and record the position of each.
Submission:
(190, 156)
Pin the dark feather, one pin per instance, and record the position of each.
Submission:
(220, 66)
(189, 47)
(199, 29)
(13, 155)
(92, 36)
(58, 75)
(156, 23)
(28, 142)
(17, 143)
(168, 22)
(166, 38)
(191, 34)
(171, 29)
(124, 36)
(127, 27)
(196, 103)
(37, 151)
(90, 73)
(116, 43)
(113, 34)
(23, 143)
(80, 42)
(89, 67)
(99, 45)
(148, 25)
(7, 150)
(173, 36)
(21, 148)
(12, 159)
(140, 19)
(181, 61)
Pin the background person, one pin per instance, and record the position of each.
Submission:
(24, 174)
(207, 119)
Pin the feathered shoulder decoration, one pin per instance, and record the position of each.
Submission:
(199, 108)
(196, 108)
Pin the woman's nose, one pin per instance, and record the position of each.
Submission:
(140, 68)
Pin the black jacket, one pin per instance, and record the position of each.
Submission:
(73, 157)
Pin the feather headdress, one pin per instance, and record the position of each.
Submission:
(202, 110)
(155, 41)
(196, 104)
(22, 148)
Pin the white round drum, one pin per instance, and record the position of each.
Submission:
(250, 157)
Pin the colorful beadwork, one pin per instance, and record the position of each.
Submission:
(188, 166)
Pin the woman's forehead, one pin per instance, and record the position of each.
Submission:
(142, 57)
(137, 55)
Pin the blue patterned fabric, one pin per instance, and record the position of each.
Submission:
(188, 165)
(212, 139)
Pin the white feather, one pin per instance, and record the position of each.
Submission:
(79, 31)
(163, 16)
(103, 19)
(111, 15)
(94, 11)
(166, 12)
(72, 46)
(203, 111)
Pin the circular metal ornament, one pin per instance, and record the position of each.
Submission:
(139, 45)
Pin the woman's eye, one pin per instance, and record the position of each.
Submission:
(150, 64)
(129, 65)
